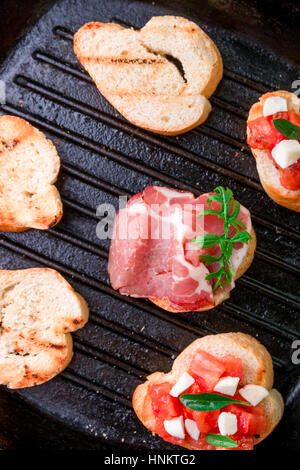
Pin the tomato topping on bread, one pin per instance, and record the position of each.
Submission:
(273, 134)
(228, 401)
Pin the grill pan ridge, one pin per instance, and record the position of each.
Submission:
(104, 157)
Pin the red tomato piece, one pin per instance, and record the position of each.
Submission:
(233, 366)
(290, 176)
(294, 117)
(164, 406)
(251, 421)
(244, 442)
(263, 134)
(206, 420)
(206, 369)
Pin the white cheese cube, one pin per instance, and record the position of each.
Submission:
(286, 153)
(254, 394)
(175, 427)
(273, 105)
(192, 429)
(227, 423)
(227, 385)
(184, 382)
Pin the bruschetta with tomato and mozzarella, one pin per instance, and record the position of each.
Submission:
(217, 396)
(273, 134)
(181, 252)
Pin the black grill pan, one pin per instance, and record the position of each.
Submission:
(103, 157)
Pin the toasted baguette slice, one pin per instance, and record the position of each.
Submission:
(268, 173)
(38, 309)
(257, 369)
(132, 70)
(29, 166)
(219, 297)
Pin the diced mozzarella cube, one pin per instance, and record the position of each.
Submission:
(254, 394)
(227, 423)
(184, 382)
(286, 153)
(192, 429)
(227, 385)
(274, 104)
(175, 427)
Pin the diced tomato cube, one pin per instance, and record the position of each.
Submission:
(206, 420)
(294, 117)
(244, 442)
(233, 366)
(251, 421)
(164, 406)
(206, 369)
(290, 176)
(262, 132)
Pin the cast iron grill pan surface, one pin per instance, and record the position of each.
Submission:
(103, 157)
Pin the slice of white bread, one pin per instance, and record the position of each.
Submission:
(29, 166)
(257, 369)
(38, 310)
(218, 297)
(268, 173)
(132, 70)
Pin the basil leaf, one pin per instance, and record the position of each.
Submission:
(220, 441)
(208, 401)
(287, 128)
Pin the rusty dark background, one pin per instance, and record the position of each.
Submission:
(88, 406)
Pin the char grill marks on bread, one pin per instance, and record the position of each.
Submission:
(29, 166)
(38, 310)
(132, 70)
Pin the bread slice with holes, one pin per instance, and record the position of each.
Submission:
(135, 71)
(29, 166)
(257, 369)
(38, 310)
(268, 173)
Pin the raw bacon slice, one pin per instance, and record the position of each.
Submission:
(151, 255)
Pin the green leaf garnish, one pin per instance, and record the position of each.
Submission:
(287, 128)
(225, 273)
(220, 441)
(208, 401)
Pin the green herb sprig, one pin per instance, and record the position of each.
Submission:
(220, 441)
(287, 128)
(225, 272)
(208, 401)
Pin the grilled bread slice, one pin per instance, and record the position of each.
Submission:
(268, 173)
(257, 369)
(133, 70)
(29, 166)
(221, 296)
(38, 310)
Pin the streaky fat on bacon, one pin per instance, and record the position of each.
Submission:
(151, 254)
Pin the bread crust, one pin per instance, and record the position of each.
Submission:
(38, 310)
(219, 298)
(39, 205)
(125, 101)
(268, 173)
(257, 367)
